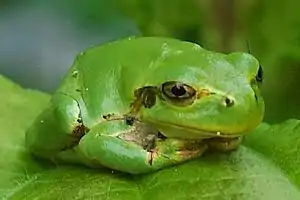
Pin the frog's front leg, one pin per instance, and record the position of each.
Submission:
(130, 149)
(223, 144)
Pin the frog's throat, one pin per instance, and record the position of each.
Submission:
(202, 132)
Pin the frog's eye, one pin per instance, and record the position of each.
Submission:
(259, 76)
(178, 91)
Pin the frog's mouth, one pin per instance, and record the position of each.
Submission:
(193, 133)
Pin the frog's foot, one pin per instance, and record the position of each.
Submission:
(173, 149)
(147, 141)
(160, 148)
(134, 149)
(224, 144)
(180, 150)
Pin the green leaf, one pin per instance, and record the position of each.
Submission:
(18, 108)
(281, 144)
(261, 169)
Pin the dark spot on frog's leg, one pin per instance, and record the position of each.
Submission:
(78, 132)
(78, 90)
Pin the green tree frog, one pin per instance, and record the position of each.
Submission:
(142, 104)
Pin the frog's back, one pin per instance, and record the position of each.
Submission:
(134, 54)
(139, 51)
(101, 73)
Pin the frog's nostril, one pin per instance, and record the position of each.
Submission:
(228, 102)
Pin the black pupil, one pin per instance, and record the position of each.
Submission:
(178, 90)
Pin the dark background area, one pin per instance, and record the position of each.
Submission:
(40, 38)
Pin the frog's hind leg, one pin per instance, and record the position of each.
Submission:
(57, 128)
(124, 152)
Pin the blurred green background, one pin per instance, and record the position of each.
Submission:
(40, 38)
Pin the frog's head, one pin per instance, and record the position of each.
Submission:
(195, 93)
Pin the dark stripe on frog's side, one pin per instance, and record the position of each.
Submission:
(79, 130)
